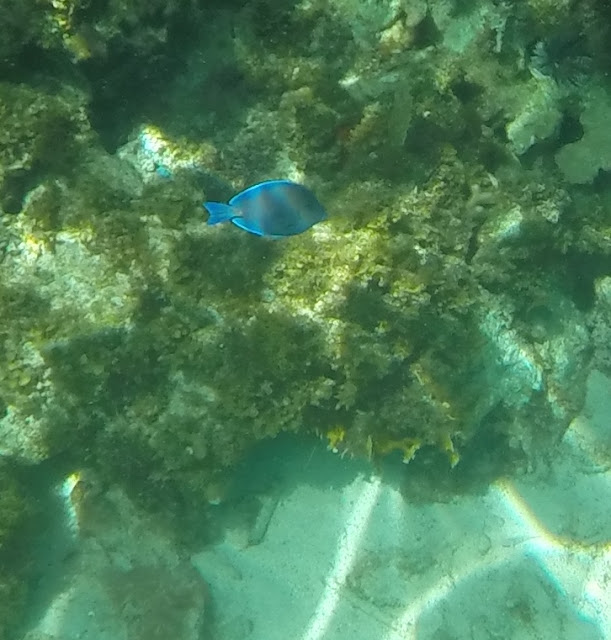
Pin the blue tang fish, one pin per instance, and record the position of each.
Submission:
(272, 208)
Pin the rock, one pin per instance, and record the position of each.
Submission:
(581, 161)
(112, 573)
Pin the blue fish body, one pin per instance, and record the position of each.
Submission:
(273, 208)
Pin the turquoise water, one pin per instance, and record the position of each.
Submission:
(392, 424)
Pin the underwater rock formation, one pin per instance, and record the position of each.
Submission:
(16, 515)
(443, 308)
(582, 160)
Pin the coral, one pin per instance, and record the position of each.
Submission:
(335, 437)
(159, 352)
(406, 446)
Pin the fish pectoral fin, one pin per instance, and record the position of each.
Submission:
(219, 212)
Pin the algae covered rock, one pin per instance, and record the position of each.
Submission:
(15, 519)
(443, 316)
(581, 161)
(20, 24)
(539, 118)
(602, 325)
(32, 122)
(81, 32)
(161, 349)
(145, 589)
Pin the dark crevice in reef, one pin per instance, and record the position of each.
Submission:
(128, 86)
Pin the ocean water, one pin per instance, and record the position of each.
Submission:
(394, 425)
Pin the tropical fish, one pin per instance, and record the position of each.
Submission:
(272, 208)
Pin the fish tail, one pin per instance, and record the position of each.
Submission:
(219, 212)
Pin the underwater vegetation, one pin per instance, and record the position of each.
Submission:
(455, 298)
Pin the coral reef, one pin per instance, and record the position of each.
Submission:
(443, 305)
(84, 32)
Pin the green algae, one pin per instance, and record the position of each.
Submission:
(31, 123)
